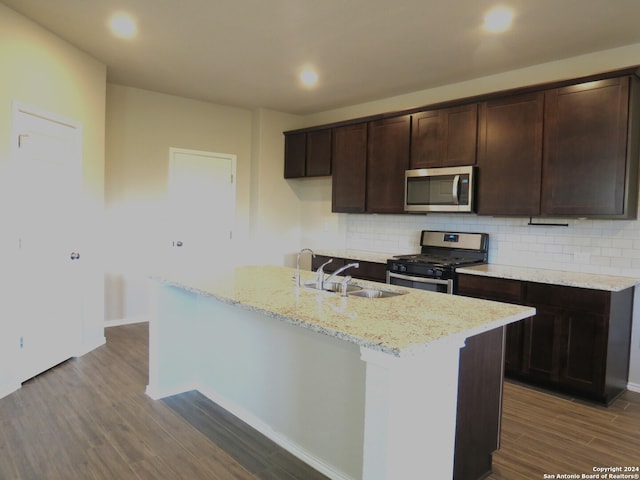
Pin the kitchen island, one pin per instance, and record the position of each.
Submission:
(357, 387)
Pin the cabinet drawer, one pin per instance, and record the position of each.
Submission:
(490, 288)
(570, 298)
(370, 271)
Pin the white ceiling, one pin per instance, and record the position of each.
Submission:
(247, 53)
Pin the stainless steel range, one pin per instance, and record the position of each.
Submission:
(441, 253)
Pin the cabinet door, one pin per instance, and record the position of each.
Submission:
(583, 337)
(376, 272)
(585, 149)
(541, 345)
(387, 160)
(318, 163)
(510, 155)
(444, 138)
(513, 347)
(349, 166)
(295, 152)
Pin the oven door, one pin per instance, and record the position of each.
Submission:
(422, 283)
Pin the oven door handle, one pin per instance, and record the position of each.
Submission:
(418, 279)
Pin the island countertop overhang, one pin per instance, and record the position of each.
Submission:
(400, 326)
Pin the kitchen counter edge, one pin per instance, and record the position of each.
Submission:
(591, 281)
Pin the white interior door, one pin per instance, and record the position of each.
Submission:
(48, 200)
(202, 205)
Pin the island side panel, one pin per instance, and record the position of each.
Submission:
(172, 358)
(410, 416)
(302, 389)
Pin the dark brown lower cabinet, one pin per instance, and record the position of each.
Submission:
(578, 343)
(479, 404)
(376, 272)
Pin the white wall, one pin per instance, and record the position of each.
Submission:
(41, 70)
(141, 126)
(275, 208)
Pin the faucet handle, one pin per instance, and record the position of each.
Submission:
(320, 274)
(345, 285)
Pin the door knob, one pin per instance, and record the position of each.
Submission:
(177, 244)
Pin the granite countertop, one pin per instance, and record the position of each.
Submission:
(401, 326)
(554, 277)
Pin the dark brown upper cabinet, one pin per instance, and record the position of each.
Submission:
(510, 155)
(387, 159)
(295, 155)
(349, 164)
(445, 137)
(568, 149)
(564, 152)
(307, 154)
(590, 152)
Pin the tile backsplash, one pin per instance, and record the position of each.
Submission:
(595, 246)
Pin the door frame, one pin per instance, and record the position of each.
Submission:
(230, 156)
(18, 107)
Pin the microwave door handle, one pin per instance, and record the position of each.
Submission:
(456, 189)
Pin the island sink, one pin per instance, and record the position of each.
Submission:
(372, 293)
(334, 287)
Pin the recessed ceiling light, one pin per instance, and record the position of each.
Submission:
(123, 25)
(309, 77)
(498, 19)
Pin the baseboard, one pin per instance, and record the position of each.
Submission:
(634, 387)
(8, 389)
(87, 347)
(267, 431)
(158, 393)
(126, 321)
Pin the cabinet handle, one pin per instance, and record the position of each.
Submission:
(75, 255)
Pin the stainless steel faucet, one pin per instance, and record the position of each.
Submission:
(298, 263)
(320, 274)
(342, 269)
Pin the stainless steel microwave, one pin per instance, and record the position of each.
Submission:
(446, 189)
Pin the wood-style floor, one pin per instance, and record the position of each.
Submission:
(89, 418)
(544, 433)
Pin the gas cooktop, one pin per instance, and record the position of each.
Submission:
(444, 251)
